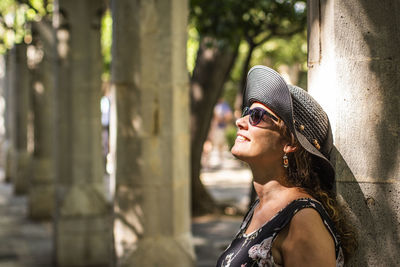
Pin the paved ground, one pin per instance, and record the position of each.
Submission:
(24, 243)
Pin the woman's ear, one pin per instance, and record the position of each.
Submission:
(288, 148)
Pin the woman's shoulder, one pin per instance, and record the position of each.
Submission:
(307, 214)
(306, 238)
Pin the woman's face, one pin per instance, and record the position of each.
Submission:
(259, 144)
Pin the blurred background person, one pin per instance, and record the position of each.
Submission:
(222, 117)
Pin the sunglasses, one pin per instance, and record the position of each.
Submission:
(257, 114)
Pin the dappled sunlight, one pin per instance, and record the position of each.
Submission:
(38, 87)
(128, 226)
(197, 91)
(63, 46)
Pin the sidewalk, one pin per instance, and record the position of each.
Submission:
(25, 243)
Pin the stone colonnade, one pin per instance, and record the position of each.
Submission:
(354, 71)
(60, 94)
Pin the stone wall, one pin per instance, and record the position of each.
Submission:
(354, 72)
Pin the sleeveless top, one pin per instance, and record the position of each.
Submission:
(254, 249)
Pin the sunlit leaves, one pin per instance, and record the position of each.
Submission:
(14, 19)
(38, 5)
(106, 42)
(192, 47)
(6, 5)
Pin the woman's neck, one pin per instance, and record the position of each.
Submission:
(270, 183)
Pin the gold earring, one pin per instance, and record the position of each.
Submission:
(285, 161)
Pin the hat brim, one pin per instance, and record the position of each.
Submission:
(321, 165)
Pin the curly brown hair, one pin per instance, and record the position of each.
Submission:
(300, 173)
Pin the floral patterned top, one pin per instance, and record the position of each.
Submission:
(254, 249)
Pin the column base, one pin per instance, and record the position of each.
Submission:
(41, 190)
(160, 251)
(84, 242)
(41, 202)
(20, 172)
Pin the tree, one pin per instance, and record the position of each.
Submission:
(222, 26)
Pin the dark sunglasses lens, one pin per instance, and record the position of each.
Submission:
(256, 116)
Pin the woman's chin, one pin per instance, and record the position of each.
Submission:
(238, 153)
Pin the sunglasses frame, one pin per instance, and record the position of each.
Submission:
(250, 112)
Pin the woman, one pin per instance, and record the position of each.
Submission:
(285, 138)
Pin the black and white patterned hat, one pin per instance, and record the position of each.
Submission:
(304, 117)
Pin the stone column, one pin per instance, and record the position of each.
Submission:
(83, 224)
(41, 189)
(150, 133)
(354, 71)
(2, 106)
(19, 90)
(3, 113)
(8, 148)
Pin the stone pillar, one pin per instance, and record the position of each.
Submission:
(83, 224)
(3, 114)
(41, 189)
(150, 133)
(354, 71)
(19, 90)
(7, 148)
(2, 104)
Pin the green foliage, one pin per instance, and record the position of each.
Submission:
(39, 7)
(215, 18)
(14, 19)
(230, 135)
(276, 28)
(284, 50)
(106, 42)
(14, 25)
(230, 20)
(192, 47)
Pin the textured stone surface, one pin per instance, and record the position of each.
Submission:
(20, 166)
(9, 122)
(375, 211)
(19, 90)
(354, 73)
(7, 151)
(41, 201)
(150, 134)
(81, 241)
(41, 190)
(83, 227)
(41, 187)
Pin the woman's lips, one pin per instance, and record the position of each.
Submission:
(242, 138)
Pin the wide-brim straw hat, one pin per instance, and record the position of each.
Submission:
(301, 113)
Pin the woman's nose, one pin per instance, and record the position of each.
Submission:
(242, 122)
